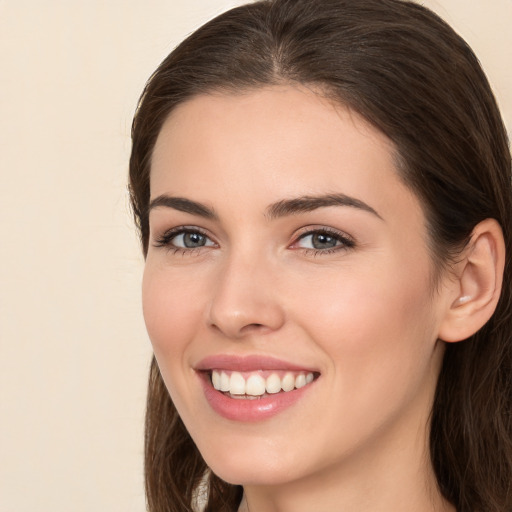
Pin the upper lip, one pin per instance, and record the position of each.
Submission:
(247, 363)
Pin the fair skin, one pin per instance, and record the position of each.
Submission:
(340, 288)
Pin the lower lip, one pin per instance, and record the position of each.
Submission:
(248, 410)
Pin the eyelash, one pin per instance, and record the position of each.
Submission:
(345, 242)
(165, 240)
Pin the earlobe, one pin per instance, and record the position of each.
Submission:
(478, 283)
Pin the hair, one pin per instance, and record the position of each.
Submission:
(405, 71)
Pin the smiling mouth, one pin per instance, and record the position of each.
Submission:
(258, 384)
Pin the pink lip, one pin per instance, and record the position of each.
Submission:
(246, 410)
(247, 364)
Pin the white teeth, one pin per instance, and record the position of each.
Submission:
(273, 384)
(300, 381)
(255, 385)
(216, 380)
(237, 384)
(224, 382)
(288, 382)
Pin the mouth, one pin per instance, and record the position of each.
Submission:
(258, 384)
(253, 388)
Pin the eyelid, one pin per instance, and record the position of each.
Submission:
(347, 241)
(164, 239)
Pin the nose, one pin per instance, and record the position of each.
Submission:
(245, 299)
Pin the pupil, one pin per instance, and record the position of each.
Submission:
(323, 241)
(193, 240)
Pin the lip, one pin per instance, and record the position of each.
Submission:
(250, 363)
(247, 410)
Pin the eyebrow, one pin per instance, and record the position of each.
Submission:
(309, 203)
(282, 208)
(183, 205)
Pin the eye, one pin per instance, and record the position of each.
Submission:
(191, 240)
(318, 241)
(184, 239)
(323, 241)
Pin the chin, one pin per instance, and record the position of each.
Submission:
(251, 474)
(250, 465)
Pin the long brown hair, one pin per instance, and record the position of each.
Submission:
(410, 75)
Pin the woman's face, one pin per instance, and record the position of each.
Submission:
(286, 254)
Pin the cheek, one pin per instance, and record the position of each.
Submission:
(169, 313)
(380, 347)
(376, 328)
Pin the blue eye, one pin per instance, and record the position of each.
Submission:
(323, 240)
(184, 239)
(318, 241)
(190, 240)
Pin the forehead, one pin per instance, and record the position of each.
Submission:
(287, 132)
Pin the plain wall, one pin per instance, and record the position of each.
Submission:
(74, 354)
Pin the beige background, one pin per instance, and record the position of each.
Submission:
(73, 349)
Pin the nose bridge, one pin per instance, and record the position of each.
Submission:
(245, 298)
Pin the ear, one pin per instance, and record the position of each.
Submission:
(476, 290)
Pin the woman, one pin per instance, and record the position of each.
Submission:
(323, 191)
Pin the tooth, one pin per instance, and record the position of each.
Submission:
(255, 385)
(216, 379)
(300, 381)
(288, 382)
(237, 384)
(273, 384)
(224, 381)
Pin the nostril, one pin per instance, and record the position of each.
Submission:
(252, 327)
(245, 330)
